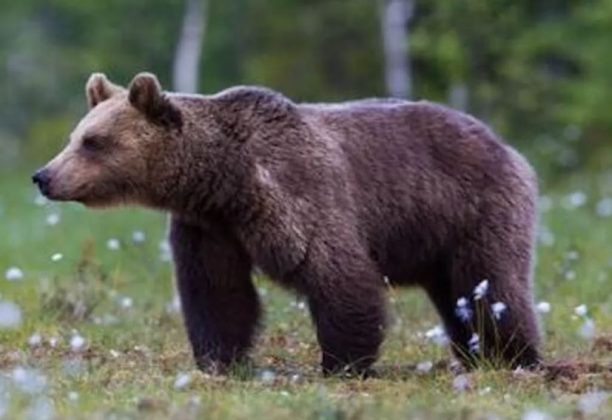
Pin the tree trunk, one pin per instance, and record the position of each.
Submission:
(186, 64)
(395, 17)
(458, 96)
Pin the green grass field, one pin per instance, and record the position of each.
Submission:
(89, 328)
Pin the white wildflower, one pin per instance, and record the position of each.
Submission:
(113, 244)
(35, 340)
(267, 376)
(534, 414)
(519, 371)
(485, 391)
(13, 273)
(138, 236)
(126, 302)
(10, 315)
(543, 307)
(481, 289)
(575, 200)
(474, 343)
(581, 310)
(29, 381)
(73, 396)
(498, 309)
(587, 329)
(463, 311)
(604, 207)
(52, 219)
(182, 380)
(589, 403)
(437, 335)
(77, 342)
(56, 257)
(424, 367)
(461, 383)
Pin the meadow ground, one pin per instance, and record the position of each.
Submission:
(89, 329)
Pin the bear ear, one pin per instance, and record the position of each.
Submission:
(146, 95)
(99, 89)
(145, 92)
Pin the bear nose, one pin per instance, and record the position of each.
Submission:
(41, 179)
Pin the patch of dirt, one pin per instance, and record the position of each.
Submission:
(603, 344)
(573, 376)
(573, 369)
(577, 377)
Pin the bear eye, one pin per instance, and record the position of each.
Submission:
(92, 143)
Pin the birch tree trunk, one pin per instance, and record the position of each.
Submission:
(186, 64)
(458, 96)
(395, 17)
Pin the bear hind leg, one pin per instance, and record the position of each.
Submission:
(499, 327)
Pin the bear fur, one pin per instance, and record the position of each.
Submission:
(333, 201)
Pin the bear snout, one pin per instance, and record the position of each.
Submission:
(42, 179)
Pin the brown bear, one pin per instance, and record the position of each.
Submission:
(333, 201)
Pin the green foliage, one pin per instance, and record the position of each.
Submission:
(535, 70)
(50, 48)
(44, 137)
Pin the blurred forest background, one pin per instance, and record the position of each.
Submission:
(89, 327)
(538, 71)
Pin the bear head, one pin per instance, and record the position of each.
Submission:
(119, 148)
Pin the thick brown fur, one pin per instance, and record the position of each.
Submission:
(328, 200)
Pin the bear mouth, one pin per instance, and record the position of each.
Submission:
(47, 192)
(55, 194)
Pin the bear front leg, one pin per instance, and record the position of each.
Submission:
(346, 300)
(219, 302)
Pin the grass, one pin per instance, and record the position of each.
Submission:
(136, 363)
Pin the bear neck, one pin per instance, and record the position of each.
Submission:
(217, 177)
